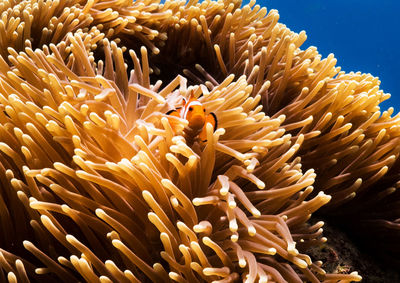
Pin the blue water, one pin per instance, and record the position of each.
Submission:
(363, 35)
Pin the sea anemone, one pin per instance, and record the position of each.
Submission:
(96, 185)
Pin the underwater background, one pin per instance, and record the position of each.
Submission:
(363, 35)
(84, 146)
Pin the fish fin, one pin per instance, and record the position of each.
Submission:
(212, 119)
(171, 112)
(172, 121)
(191, 95)
(174, 112)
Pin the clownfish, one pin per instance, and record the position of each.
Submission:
(194, 112)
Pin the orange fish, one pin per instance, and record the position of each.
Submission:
(193, 111)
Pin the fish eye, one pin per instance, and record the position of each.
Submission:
(190, 108)
(204, 110)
